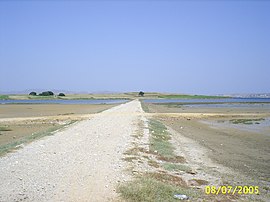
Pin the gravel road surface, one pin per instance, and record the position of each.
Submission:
(80, 163)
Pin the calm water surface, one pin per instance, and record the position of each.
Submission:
(227, 100)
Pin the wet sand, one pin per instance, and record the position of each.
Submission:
(261, 109)
(243, 151)
(23, 120)
(38, 110)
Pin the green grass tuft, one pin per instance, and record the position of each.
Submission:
(144, 107)
(148, 189)
(159, 140)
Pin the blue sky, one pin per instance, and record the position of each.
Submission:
(196, 47)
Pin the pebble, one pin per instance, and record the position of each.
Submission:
(45, 170)
(192, 172)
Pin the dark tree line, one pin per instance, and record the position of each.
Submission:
(46, 93)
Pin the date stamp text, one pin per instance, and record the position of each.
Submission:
(233, 190)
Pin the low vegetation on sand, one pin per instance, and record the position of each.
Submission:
(157, 185)
(151, 188)
(246, 121)
(128, 96)
(162, 179)
(144, 107)
(159, 140)
(27, 139)
(4, 97)
(3, 128)
(176, 167)
(180, 96)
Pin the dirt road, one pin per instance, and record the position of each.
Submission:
(81, 163)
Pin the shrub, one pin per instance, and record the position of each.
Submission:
(141, 93)
(46, 93)
(61, 94)
(33, 93)
(50, 93)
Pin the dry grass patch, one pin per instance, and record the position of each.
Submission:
(167, 178)
(176, 159)
(144, 106)
(201, 182)
(160, 144)
(153, 164)
(197, 182)
(149, 189)
(130, 158)
(176, 167)
(146, 157)
(132, 151)
(5, 128)
(8, 147)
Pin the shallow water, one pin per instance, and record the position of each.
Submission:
(231, 105)
(263, 127)
(227, 100)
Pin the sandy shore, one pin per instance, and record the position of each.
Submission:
(245, 152)
(87, 160)
(40, 110)
(23, 120)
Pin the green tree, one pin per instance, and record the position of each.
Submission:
(33, 93)
(61, 94)
(141, 93)
(46, 93)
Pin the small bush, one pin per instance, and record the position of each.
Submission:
(46, 93)
(61, 94)
(141, 93)
(33, 93)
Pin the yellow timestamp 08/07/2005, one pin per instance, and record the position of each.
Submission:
(233, 190)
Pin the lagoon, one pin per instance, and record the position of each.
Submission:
(210, 101)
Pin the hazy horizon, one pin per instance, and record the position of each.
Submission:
(27, 91)
(189, 47)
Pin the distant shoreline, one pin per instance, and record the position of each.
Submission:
(118, 96)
